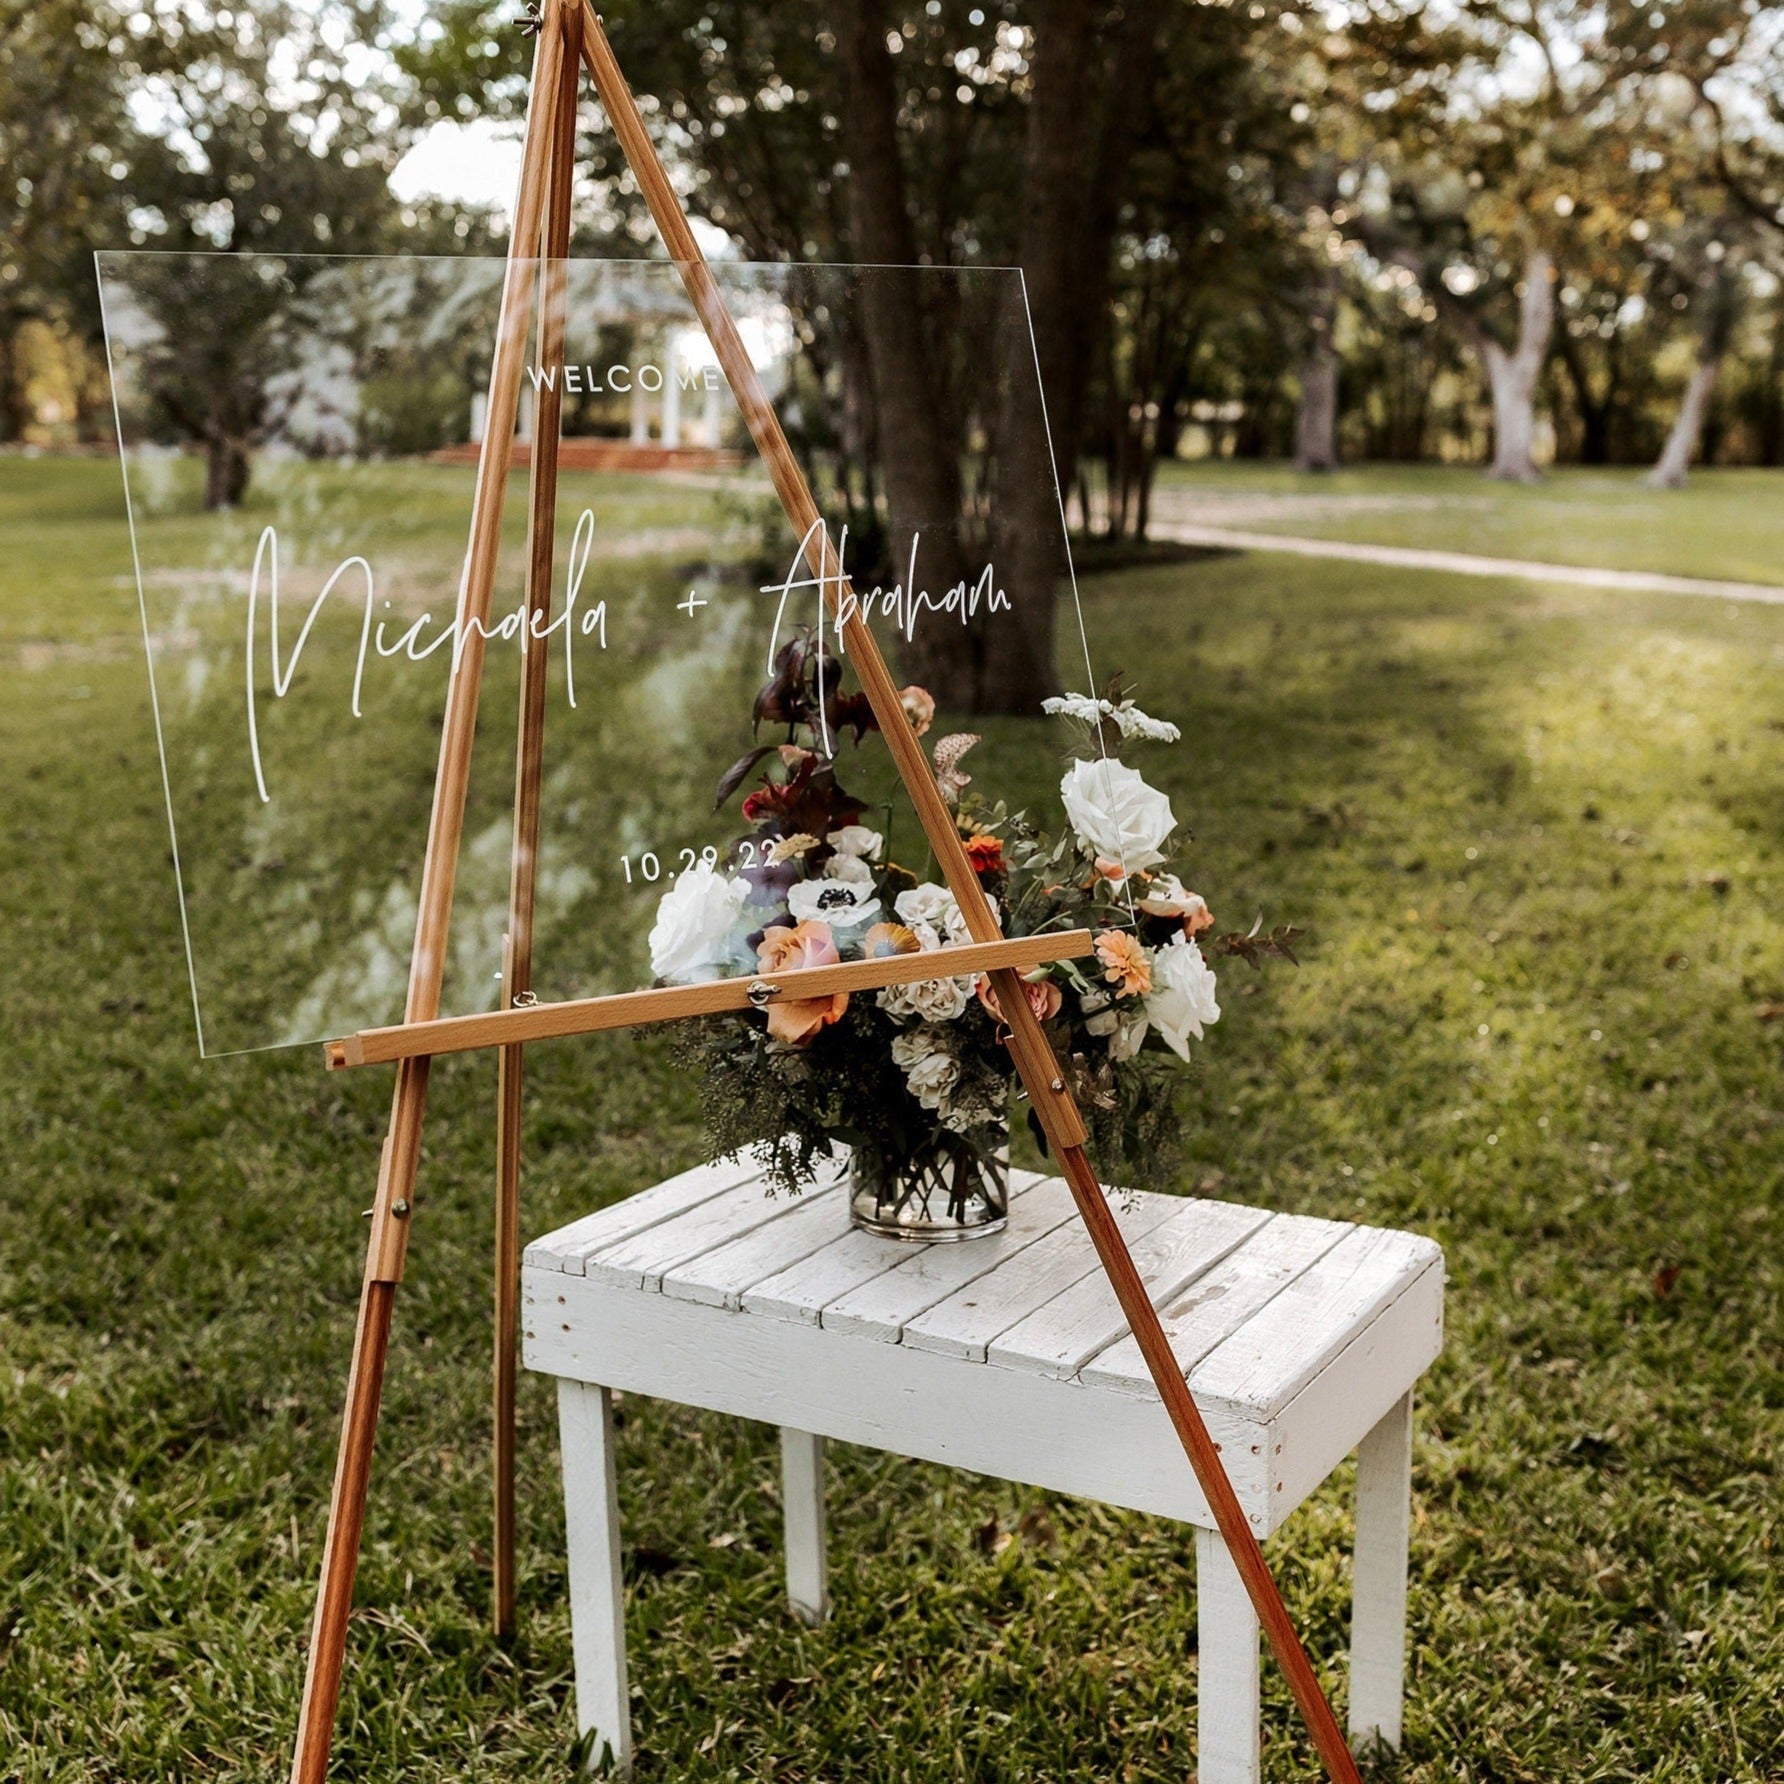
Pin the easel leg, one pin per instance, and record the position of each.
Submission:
(1378, 1573)
(517, 973)
(597, 1584)
(396, 1177)
(802, 1501)
(1227, 1688)
(346, 1515)
(507, 1332)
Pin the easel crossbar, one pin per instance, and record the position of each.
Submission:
(629, 1009)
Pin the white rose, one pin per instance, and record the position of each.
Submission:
(697, 928)
(914, 1046)
(1115, 813)
(931, 1000)
(934, 905)
(835, 902)
(856, 840)
(931, 904)
(1182, 1000)
(850, 869)
(930, 1070)
(931, 1081)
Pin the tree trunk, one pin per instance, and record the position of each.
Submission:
(1512, 376)
(1718, 306)
(1316, 417)
(225, 472)
(1078, 146)
(1687, 428)
(919, 455)
(15, 409)
(1593, 410)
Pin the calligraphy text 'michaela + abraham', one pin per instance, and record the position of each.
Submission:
(413, 642)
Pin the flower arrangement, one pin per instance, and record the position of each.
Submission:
(916, 1078)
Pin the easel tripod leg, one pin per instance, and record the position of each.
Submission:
(517, 969)
(346, 1516)
(396, 1177)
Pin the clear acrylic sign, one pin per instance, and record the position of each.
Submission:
(299, 440)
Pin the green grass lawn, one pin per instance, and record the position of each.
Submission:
(1535, 837)
(1724, 524)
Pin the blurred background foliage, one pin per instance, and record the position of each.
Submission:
(1511, 234)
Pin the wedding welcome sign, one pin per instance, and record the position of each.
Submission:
(302, 629)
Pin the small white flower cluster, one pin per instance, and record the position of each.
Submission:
(931, 914)
(932, 1074)
(1129, 719)
(1121, 820)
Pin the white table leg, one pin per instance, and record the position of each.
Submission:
(1227, 1710)
(597, 1587)
(1378, 1609)
(802, 1495)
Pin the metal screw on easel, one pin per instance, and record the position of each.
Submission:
(532, 20)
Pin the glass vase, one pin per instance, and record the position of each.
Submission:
(941, 1195)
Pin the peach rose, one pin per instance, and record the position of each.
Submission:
(1043, 998)
(919, 707)
(1166, 896)
(1126, 964)
(784, 950)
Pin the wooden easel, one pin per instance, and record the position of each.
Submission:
(570, 37)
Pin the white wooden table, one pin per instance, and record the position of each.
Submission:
(1302, 1340)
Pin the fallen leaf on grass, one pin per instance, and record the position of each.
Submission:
(1664, 1279)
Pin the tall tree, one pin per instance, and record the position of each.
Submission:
(72, 161)
(995, 134)
(282, 138)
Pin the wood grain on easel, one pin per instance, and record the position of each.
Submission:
(714, 997)
(529, 769)
(1032, 1052)
(393, 1203)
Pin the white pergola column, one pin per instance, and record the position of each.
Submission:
(640, 414)
(710, 422)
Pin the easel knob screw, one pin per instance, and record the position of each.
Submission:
(400, 1208)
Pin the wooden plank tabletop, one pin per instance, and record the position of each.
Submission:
(1255, 1304)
